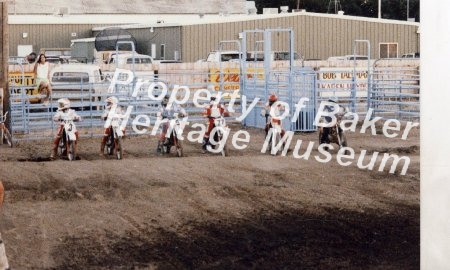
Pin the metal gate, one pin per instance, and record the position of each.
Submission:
(260, 79)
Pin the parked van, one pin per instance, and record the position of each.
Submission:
(78, 82)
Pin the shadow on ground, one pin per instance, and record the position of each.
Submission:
(290, 239)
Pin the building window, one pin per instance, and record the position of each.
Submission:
(388, 50)
(163, 51)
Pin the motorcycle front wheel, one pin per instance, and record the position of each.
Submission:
(71, 150)
(62, 145)
(8, 137)
(224, 151)
(110, 143)
(119, 151)
(277, 139)
(179, 147)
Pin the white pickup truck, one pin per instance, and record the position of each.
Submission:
(78, 82)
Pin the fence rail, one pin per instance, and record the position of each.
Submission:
(395, 93)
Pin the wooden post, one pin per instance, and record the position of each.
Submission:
(4, 55)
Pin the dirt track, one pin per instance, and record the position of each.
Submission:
(249, 210)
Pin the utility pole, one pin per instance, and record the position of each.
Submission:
(379, 9)
(4, 46)
(298, 4)
(407, 10)
(337, 6)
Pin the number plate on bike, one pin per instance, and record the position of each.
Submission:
(70, 128)
(115, 122)
(219, 122)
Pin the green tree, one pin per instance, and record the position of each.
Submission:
(391, 9)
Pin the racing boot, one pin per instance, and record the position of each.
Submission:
(102, 148)
(204, 145)
(158, 148)
(54, 149)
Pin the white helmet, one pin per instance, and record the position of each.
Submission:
(63, 103)
(111, 101)
(165, 100)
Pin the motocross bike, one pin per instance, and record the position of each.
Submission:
(335, 134)
(5, 134)
(68, 138)
(115, 139)
(275, 137)
(173, 141)
(220, 125)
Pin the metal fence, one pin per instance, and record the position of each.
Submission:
(395, 92)
(390, 92)
(32, 119)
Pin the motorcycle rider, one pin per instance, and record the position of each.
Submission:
(64, 111)
(110, 102)
(164, 112)
(326, 130)
(212, 111)
(276, 112)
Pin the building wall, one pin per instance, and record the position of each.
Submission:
(46, 35)
(315, 37)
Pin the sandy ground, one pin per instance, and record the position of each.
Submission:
(250, 210)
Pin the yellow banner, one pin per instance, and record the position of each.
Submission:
(16, 81)
(230, 77)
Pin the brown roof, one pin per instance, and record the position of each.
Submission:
(127, 6)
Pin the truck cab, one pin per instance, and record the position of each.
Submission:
(224, 56)
(129, 58)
